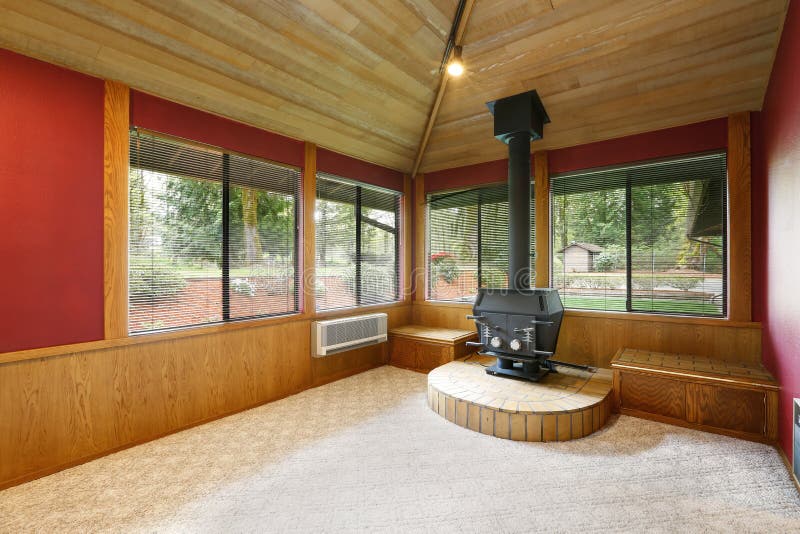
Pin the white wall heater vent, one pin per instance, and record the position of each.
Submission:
(339, 335)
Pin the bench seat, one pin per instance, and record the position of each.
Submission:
(726, 397)
(422, 348)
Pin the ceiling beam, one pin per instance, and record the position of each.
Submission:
(459, 34)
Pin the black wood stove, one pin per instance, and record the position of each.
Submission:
(519, 325)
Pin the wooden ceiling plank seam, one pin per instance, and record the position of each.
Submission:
(749, 54)
(309, 31)
(158, 26)
(248, 36)
(468, 154)
(723, 18)
(362, 78)
(612, 40)
(602, 88)
(189, 69)
(392, 27)
(497, 36)
(389, 50)
(279, 82)
(651, 101)
(438, 21)
(118, 65)
(672, 43)
(687, 101)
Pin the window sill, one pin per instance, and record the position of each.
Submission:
(140, 339)
(447, 303)
(369, 308)
(626, 316)
(660, 318)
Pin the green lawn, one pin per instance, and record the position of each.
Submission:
(645, 305)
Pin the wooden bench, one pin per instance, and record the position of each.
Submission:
(422, 348)
(731, 398)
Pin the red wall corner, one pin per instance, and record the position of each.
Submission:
(51, 205)
(776, 221)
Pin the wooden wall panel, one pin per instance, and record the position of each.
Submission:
(63, 407)
(61, 410)
(593, 338)
(739, 219)
(116, 110)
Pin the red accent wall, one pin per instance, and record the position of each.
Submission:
(51, 205)
(776, 221)
(468, 176)
(698, 137)
(159, 115)
(355, 169)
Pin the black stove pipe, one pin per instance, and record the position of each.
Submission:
(519, 214)
(518, 120)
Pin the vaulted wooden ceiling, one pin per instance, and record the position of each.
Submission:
(360, 77)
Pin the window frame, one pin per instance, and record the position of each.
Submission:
(225, 184)
(397, 231)
(629, 184)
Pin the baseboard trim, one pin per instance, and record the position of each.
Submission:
(788, 466)
(41, 473)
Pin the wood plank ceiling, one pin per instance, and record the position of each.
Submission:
(359, 77)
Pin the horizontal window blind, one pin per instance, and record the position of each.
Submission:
(263, 221)
(468, 242)
(212, 235)
(648, 237)
(357, 240)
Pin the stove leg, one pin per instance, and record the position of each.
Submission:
(530, 368)
(502, 363)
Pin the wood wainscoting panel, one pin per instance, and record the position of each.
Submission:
(735, 409)
(592, 338)
(653, 395)
(67, 407)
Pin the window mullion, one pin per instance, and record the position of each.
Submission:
(480, 238)
(628, 241)
(226, 278)
(358, 246)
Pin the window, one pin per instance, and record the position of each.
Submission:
(212, 235)
(468, 242)
(357, 243)
(644, 238)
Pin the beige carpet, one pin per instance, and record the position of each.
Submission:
(366, 454)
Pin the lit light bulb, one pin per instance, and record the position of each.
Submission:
(456, 66)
